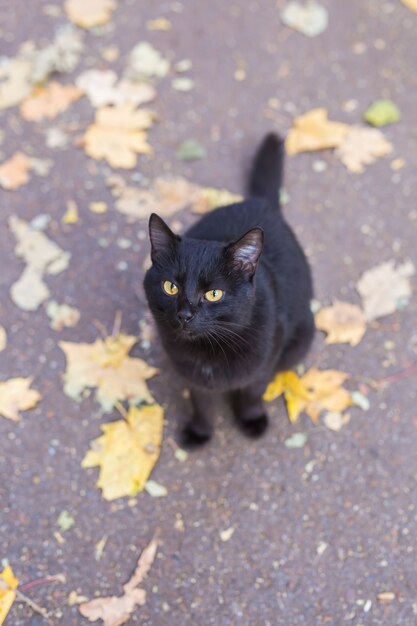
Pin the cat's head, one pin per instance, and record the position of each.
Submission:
(195, 287)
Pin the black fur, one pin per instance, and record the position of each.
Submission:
(263, 322)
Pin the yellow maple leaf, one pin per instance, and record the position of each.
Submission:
(89, 13)
(8, 584)
(313, 393)
(343, 323)
(117, 134)
(16, 396)
(105, 364)
(15, 172)
(49, 101)
(362, 146)
(127, 451)
(313, 131)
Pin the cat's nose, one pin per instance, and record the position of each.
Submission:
(185, 316)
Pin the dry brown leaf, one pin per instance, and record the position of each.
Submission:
(49, 101)
(343, 323)
(89, 13)
(313, 131)
(362, 146)
(118, 134)
(106, 366)
(116, 610)
(15, 82)
(101, 89)
(15, 172)
(385, 288)
(41, 255)
(127, 452)
(166, 197)
(16, 396)
(312, 393)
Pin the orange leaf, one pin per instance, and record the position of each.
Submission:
(50, 101)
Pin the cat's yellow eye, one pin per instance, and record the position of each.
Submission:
(170, 288)
(214, 295)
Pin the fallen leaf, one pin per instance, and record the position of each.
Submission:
(75, 598)
(310, 19)
(127, 452)
(227, 534)
(343, 323)
(312, 393)
(360, 400)
(61, 56)
(49, 101)
(8, 584)
(191, 150)
(90, 13)
(62, 315)
(381, 113)
(106, 366)
(313, 131)
(362, 146)
(410, 4)
(71, 214)
(335, 421)
(146, 62)
(209, 198)
(181, 455)
(118, 134)
(182, 83)
(385, 288)
(15, 82)
(3, 339)
(15, 172)
(297, 440)
(155, 489)
(160, 23)
(41, 255)
(15, 396)
(116, 610)
(65, 521)
(41, 167)
(98, 207)
(101, 89)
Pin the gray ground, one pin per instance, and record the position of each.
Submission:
(354, 491)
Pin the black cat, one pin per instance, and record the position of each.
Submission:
(231, 299)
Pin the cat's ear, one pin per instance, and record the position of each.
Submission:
(161, 236)
(245, 252)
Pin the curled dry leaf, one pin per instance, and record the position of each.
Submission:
(118, 134)
(101, 89)
(343, 323)
(49, 101)
(127, 452)
(362, 146)
(385, 288)
(312, 393)
(106, 366)
(146, 62)
(313, 131)
(15, 396)
(116, 610)
(90, 13)
(41, 256)
(8, 584)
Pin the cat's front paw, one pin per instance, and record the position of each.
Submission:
(190, 438)
(254, 428)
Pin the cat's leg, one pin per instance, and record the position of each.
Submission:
(248, 409)
(199, 429)
(298, 345)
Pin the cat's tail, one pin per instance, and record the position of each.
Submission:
(267, 170)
